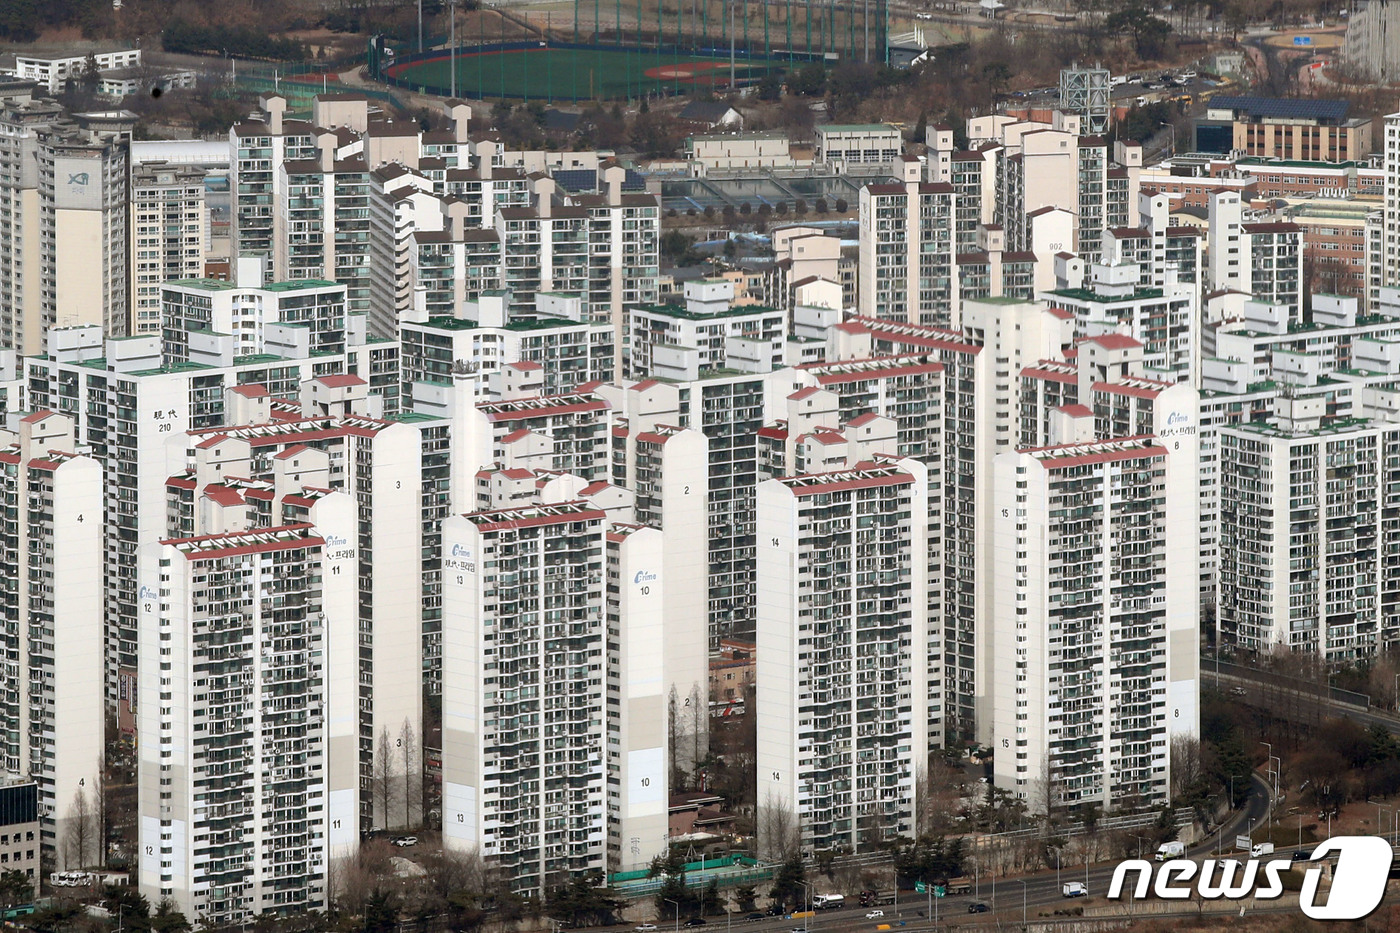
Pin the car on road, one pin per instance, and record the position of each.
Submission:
(923, 16)
(874, 914)
(403, 842)
(777, 910)
(754, 916)
(695, 922)
(645, 928)
(1238, 691)
(977, 908)
(1302, 855)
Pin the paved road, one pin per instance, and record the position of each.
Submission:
(1007, 898)
(1261, 690)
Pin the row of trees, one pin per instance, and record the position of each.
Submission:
(237, 41)
(398, 779)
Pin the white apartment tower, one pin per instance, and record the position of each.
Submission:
(1306, 545)
(907, 258)
(167, 235)
(54, 704)
(640, 631)
(22, 119)
(1264, 260)
(83, 229)
(241, 637)
(1095, 620)
(843, 634)
(524, 702)
(1390, 220)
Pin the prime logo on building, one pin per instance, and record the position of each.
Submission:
(1358, 880)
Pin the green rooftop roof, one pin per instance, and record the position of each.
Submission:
(206, 284)
(677, 311)
(547, 323)
(172, 368)
(298, 284)
(1088, 295)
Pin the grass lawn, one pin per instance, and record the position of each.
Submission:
(576, 74)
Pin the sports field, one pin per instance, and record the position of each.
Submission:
(556, 72)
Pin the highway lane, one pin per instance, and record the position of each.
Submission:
(1005, 897)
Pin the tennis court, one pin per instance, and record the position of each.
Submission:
(567, 72)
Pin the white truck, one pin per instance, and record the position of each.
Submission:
(1075, 889)
(1170, 850)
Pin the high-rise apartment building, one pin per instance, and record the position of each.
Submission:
(1264, 260)
(245, 794)
(23, 117)
(525, 717)
(843, 633)
(168, 227)
(53, 706)
(1094, 638)
(83, 218)
(907, 251)
(128, 405)
(1305, 542)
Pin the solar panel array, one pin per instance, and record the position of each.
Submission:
(1284, 108)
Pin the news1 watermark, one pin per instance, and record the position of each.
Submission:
(1359, 876)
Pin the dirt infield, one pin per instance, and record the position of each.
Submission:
(1320, 40)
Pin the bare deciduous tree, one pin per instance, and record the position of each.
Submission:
(779, 835)
(79, 831)
(383, 778)
(412, 775)
(1186, 764)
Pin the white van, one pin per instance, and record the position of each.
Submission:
(1170, 850)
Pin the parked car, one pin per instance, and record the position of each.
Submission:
(403, 842)
(874, 914)
(977, 907)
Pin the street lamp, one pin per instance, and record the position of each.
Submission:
(678, 912)
(1023, 901)
(1139, 842)
(1171, 154)
(1394, 817)
(806, 903)
(452, 12)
